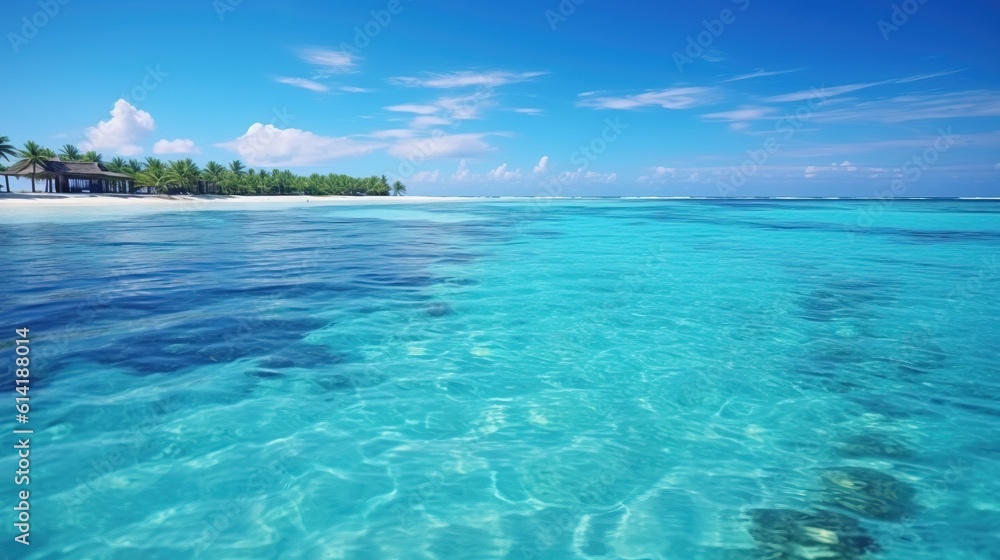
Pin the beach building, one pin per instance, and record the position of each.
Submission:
(74, 176)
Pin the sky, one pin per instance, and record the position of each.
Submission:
(871, 98)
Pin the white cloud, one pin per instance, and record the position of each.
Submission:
(414, 108)
(567, 177)
(394, 133)
(354, 89)
(825, 92)
(268, 146)
(694, 178)
(426, 177)
(984, 140)
(742, 114)
(543, 166)
(441, 146)
(919, 106)
(845, 166)
(502, 174)
(427, 121)
(467, 79)
(528, 111)
(659, 175)
(179, 146)
(757, 74)
(302, 83)
(329, 61)
(601, 177)
(463, 108)
(445, 109)
(674, 98)
(462, 173)
(820, 93)
(122, 133)
(712, 56)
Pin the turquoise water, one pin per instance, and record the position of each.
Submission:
(560, 379)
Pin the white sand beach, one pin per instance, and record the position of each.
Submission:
(48, 200)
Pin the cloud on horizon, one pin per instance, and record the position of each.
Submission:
(179, 146)
(269, 146)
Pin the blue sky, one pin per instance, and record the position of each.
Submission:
(573, 97)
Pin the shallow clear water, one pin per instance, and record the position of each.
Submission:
(559, 379)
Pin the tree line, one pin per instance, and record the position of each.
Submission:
(184, 176)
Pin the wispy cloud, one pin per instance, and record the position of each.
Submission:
(329, 61)
(442, 146)
(743, 114)
(986, 140)
(445, 110)
(467, 79)
(302, 83)
(528, 111)
(827, 92)
(758, 74)
(393, 133)
(414, 108)
(354, 89)
(813, 170)
(673, 98)
(918, 106)
(428, 121)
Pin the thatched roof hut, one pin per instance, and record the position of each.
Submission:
(74, 176)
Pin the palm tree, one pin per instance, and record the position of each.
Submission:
(183, 173)
(33, 155)
(6, 150)
(398, 189)
(214, 173)
(237, 167)
(69, 152)
(133, 167)
(93, 157)
(117, 164)
(154, 175)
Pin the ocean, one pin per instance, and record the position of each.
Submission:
(564, 379)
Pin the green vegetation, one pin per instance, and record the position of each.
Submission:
(6, 150)
(33, 155)
(186, 177)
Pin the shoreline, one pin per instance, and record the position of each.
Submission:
(52, 200)
(21, 199)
